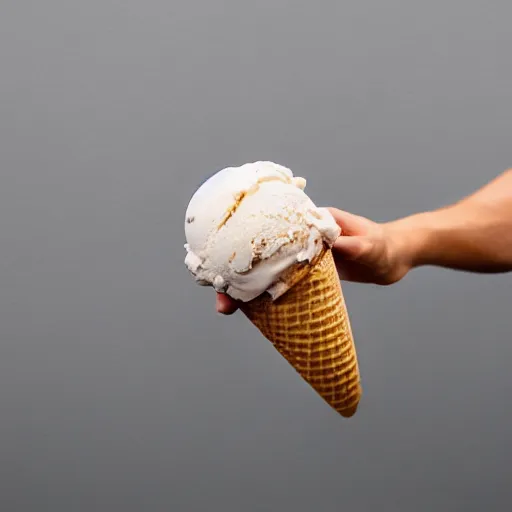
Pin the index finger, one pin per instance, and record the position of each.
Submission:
(225, 304)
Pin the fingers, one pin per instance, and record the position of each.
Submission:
(358, 240)
(225, 304)
(350, 224)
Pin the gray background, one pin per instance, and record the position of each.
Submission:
(120, 387)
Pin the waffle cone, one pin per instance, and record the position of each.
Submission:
(310, 327)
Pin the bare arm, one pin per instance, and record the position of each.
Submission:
(475, 234)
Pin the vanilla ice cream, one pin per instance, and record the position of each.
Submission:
(247, 226)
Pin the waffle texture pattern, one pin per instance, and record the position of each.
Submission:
(309, 325)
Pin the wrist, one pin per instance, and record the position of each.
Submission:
(412, 239)
(437, 237)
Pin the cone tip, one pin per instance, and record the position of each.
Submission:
(349, 411)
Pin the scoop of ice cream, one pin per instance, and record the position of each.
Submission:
(246, 226)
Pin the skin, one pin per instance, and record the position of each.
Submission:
(472, 235)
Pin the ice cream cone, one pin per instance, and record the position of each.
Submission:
(309, 325)
(254, 234)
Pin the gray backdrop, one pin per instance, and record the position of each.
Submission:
(120, 387)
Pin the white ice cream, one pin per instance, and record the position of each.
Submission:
(245, 226)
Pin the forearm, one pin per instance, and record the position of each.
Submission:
(473, 235)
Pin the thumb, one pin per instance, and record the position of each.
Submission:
(349, 223)
(353, 248)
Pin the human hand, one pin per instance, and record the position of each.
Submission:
(365, 252)
(370, 252)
